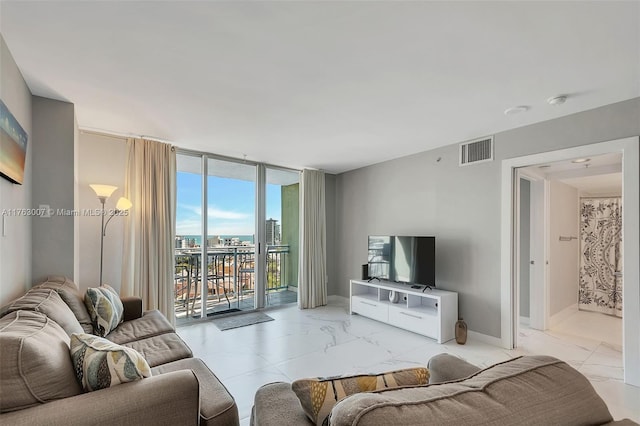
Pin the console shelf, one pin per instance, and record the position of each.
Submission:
(432, 313)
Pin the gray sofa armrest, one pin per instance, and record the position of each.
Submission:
(132, 307)
(276, 404)
(166, 399)
(445, 368)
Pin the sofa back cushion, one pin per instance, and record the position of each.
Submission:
(49, 303)
(69, 292)
(532, 390)
(35, 366)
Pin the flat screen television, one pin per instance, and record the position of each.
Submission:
(403, 259)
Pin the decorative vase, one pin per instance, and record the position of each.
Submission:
(461, 332)
(394, 297)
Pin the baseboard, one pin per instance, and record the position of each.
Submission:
(525, 321)
(562, 315)
(484, 338)
(335, 299)
(292, 288)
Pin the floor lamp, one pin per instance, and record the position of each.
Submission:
(104, 192)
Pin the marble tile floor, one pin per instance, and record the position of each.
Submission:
(328, 341)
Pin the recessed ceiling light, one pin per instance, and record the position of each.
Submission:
(557, 100)
(581, 160)
(516, 110)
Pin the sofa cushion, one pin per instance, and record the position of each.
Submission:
(49, 303)
(100, 364)
(318, 396)
(105, 308)
(445, 367)
(69, 292)
(35, 365)
(151, 323)
(217, 406)
(161, 349)
(532, 390)
(276, 404)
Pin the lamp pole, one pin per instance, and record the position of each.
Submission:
(103, 192)
(102, 200)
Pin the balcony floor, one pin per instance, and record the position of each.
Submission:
(218, 307)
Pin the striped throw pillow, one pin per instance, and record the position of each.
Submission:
(318, 395)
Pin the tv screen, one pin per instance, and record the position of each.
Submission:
(413, 260)
(405, 259)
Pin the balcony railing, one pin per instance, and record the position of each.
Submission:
(230, 277)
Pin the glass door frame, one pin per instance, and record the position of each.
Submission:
(274, 168)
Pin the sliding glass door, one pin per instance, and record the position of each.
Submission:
(282, 235)
(231, 241)
(236, 236)
(188, 238)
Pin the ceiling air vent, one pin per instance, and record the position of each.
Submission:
(477, 151)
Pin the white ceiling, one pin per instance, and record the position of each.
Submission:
(598, 185)
(599, 176)
(329, 85)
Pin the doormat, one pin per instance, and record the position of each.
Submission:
(212, 314)
(235, 321)
(226, 311)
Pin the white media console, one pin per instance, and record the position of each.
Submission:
(432, 313)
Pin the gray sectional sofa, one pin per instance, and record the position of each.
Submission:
(38, 384)
(530, 390)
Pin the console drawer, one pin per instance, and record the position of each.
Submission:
(367, 307)
(420, 322)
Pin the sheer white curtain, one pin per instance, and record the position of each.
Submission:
(312, 288)
(147, 264)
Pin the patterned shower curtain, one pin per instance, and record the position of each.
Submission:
(601, 255)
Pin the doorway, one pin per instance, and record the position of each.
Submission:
(570, 258)
(509, 244)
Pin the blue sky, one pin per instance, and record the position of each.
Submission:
(231, 207)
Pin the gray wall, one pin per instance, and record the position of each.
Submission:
(427, 193)
(102, 160)
(333, 284)
(525, 245)
(15, 246)
(53, 143)
(564, 256)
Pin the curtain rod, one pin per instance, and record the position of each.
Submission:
(194, 153)
(180, 150)
(117, 135)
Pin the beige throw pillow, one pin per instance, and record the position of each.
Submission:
(100, 363)
(318, 395)
(105, 308)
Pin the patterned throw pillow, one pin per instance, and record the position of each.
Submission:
(318, 396)
(105, 308)
(100, 364)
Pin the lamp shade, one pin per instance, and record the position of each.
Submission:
(103, 191)
(123, 204)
